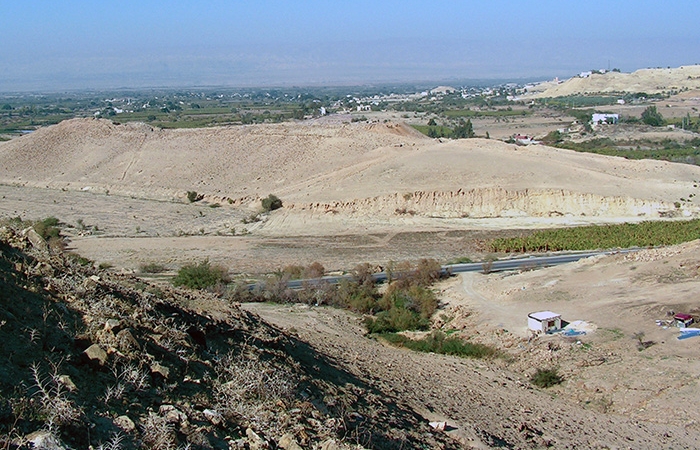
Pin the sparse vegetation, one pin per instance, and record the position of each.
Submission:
(641, 343)
(201, 275)
(439, 342)
(271, 203)
(152, 268)
(545, 378)
(193, 196)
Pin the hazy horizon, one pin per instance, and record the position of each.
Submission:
(69, 45)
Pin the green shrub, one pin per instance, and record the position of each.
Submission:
(152, 268)
(271, 203)
(47, 228)
(438, 342)
(652, 117)
(200, 276)
(545, 378)
(193, 196)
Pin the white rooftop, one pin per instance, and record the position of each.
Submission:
(544, 315)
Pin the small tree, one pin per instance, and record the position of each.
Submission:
(463, 130)
(652, 117)
(271, 203)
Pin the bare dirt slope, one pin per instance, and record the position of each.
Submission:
(234, 162)
(652, 81)
(620, 298)
(356, 170)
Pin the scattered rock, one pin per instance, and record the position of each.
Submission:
(44, 440)
(96, 355)
(125, 423)
(288, 442)
(36, 240)
(255, 441)
(160, 370)
(331, 444)
(213, 416)
(126, 341)
(113, 325)
(172, 415)
(67, 382)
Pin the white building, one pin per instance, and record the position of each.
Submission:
(605, 118)
(544, 321)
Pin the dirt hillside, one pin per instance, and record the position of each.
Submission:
(373, 171)
(651, 81)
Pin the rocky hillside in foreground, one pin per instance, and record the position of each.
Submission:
(91, 358)
(651, 81)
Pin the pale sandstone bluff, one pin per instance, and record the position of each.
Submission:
(495, 202)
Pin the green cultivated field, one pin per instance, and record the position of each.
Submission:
(644, 234)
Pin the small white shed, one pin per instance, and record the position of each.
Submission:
(544, 321)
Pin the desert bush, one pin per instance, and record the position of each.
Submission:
(427, 272)
(158, 433)
(294, 271)
(152, 268)
(271, 203)
(395, 319)
(193, 196)
(416, 298)
(438, 342)
(47, 228)
(56, 408)
(641, 343)
(200, 276)
(545, 378)
(314, 270)
(246, 386)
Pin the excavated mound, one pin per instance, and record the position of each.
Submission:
(378, 170)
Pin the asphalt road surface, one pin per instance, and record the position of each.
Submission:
(531, 262)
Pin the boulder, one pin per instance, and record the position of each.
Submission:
(36, 240)
(255, 442)
(96, 355)
(125, 423)
(160, 370)
(287, 442)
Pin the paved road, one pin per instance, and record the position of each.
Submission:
(494, 266)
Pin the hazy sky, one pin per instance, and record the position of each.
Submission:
(67, 44)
